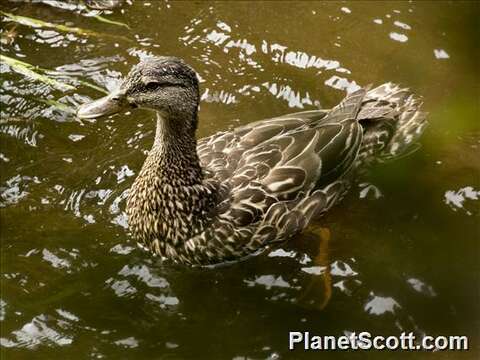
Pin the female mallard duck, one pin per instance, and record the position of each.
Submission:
(237, 192)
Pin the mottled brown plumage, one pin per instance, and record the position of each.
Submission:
(237, 192)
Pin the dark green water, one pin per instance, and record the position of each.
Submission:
(403, 252)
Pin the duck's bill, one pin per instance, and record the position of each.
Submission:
(107, 105)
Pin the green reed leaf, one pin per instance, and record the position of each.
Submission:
(35, 73)
(31, 71)
(36, 23)
(58, 105)
(108, 21)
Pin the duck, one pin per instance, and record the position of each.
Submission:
(240, 191)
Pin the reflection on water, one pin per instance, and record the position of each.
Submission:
(456, 199)
(402, 248)
(37, 332)
(421, 287)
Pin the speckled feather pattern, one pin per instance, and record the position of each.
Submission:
(237, 192)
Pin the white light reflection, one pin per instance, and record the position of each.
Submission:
(379, 305)
(456, 199)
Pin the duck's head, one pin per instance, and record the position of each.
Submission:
(165, 84)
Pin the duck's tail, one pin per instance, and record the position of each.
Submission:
(392, 123)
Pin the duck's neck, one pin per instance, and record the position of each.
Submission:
(170, 201)
(174, 153)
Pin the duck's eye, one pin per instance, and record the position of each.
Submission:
(154, 85)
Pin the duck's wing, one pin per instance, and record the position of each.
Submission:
(320, 144)
(284, 158)
(221, 151)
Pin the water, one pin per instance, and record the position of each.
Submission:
(400, 254)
